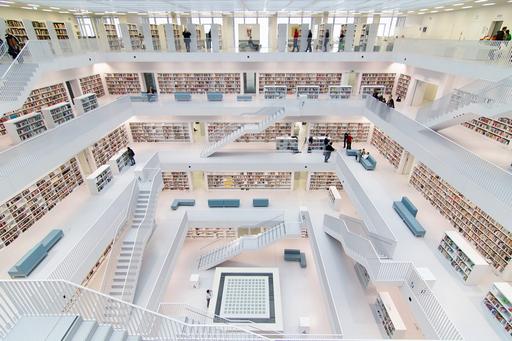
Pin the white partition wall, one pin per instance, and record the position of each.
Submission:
(53, 36)
(372, 36)
(282, 39)
(215, 35)
(169, 38)
(29, 28)
(350, 32)
(304, 31)
(125, 36)
(148, 39)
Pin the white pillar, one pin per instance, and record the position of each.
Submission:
(193, 37)
(304, 29)
(127, 42)
(349, 37)
(148, 38)
(215, 33)
(282, 37)
(29, 28)
(169, 37)
(372, 36)
(53, 36)
(406, 163)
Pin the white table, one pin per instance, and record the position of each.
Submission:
(194, 279)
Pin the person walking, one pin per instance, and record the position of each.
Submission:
(326, 140)
(327, 152)
(349, 141)
(508, 37)
(326, 40)
(391, 102)
(310, 39)
(186, 38)
(295, 40)
(131, 155)
(208, 297)
(345, 136)
(310, 143)
(13, 45)
(209, 40)
(341, 42)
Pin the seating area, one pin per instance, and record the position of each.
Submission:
(244, 98)
(215, 203)
(214, 96)
(368, 163)
(294, 255)
(182, 202)
(183, 96)
(31, 259)
(260, 202)
(407, 211)
(351, 152)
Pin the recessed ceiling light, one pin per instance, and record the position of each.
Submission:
(448, 9)
(489, 4)
(466, 7)
(27, 7)
(478, 1)
(73, 10)
(459, 4)
(424, 9)
(54, 7)
(7, 2)
(413, 11)
(439, 7)
(63, 12)
(33, 5)
(133, 12)
(47, 10)
(434, 11)
(4, 5)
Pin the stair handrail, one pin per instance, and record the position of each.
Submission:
(118, 241)
(33, 48)
(144, 230)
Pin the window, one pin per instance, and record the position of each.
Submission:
(114, 21)
(85, 26)
(387, 26)
(217, 21)
(159, 20)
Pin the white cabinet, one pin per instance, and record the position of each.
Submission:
(389, 316)
(98, 180)
(335, 197)
(120, 161)
(499, 303)
(57, 114)
(340, 91)
(368, 90)
(25, 127)
(308, 91)
(287, 143)
(274, 91)
(86, 103)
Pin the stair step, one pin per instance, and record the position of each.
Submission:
(118, 335)
(134, 338)
(102, 333)
(85, 331)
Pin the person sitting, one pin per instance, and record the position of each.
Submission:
(360, 153)
(366, 155)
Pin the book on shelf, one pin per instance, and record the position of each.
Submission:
(177, 181)
(16, 28)
(57, 114)
(308, 91)
(498, 302)
(210, 232)
(92, 84)
(499, 130)
(108, 146)
(322, 181)
(340, 91)
(199, 83)
(123, 83)
(387, 80)
(161, 132)
(389, 315)
(249, 180)
(360, 131)
(274, 92)
(292, 80)
(99, 179)
(391, 150)
(402, 86)
(25, 127)
(120, 161)
(217, 130)
(287, 143)
(86, 103)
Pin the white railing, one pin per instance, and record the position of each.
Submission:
(81, 258)
(144, 231)
(395, 272)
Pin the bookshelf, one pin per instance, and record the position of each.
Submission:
(60, 30)
(25, 127)
(86, 103)
(402, 86)
(322, 181)
(249, 180)
(389, 316)
(108, 146)
(368, 90)
(340, 91)
(21, 211)
(99, 179)
(287, 143)
(385, 79)
(391, 150)
(155, 37)
(212, 232)
(92, 84)
(217, 130)
(274, 92)
(335, 197)
(499, 130)
(41, 30)
(491, 239)
(112, 38)
(57, 114)
(360, 131)
(178, 41)
(38, 98)
(309, 91)
(177, 181)
(199, 83)
(119, 162)
(16, 28)
(499, 303)
(161, 132)
(135, 37)
(316, 144)
(122, 83)
(466, 261)
(292, 80)
(320, 34)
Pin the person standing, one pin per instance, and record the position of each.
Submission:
(508, 37)
(345, 136)
(349, 141)
(295, 40)
(500, 35)
(209, 40)
(310, 143)
(341, 43)
(326, 140)
(186, 38)
(208, 297)
(326, 40)
(327, 152)
(391, 102)
(13, 45)
(310, 38)
(131, 155)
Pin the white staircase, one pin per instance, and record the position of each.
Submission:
(245, 243)
(272, 115)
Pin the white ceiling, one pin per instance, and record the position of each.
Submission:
(251, 5)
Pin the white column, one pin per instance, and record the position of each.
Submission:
(215, 31)
(372, 36)
(29, 28)
(148, 39)
(349, 37)
(169, 37)
(282, 32)
(53, 36)
(193, 38)
(406, 163)
(127, 42)
(304, 29)
(101, 33)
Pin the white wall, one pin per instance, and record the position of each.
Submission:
(468, 24)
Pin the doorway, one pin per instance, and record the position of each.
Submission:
(494, 28)
(73, 89)
(424, 93)
(197, 179)
(249, 82)
(149, 80)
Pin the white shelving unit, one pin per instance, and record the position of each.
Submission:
(368, 90)
(360, 131)
(308, 91)
(86, 103)
(382, 79)
(388, 147)
(161, 131)
(99, 179)
(120, 161)
(25, 127)
(287, 143)
(389, 316)
(317, 144)
(335, 197)
(468, 263)
(249, 180)
(340, 91)
(322, 181)
(57, 114)
(177, 181)
(499, 303)
(274, 91)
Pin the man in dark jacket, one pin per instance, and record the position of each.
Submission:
(131, 155)
(328, 150)
(186, 38)
(345, 139)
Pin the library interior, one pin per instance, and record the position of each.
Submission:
(255, 170)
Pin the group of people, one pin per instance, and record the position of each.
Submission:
(502, 35)
(329, 148)
(325, 43)
(12, 45)
(390, 102)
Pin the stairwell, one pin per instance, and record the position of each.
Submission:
(272, 115)
(245, 243)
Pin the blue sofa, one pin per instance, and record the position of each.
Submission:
(352, 152)
(31, 259)
(294, 255)
(369, 163)
(214, 96)
(223, 203)
(182, 202)
(260, 202)
(407, 211)
(182, 96)
(244, 98)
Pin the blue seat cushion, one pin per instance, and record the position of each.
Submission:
(409, 220)
(215, 203)
(244, 98)
(231, 203)
(28, 262)
(351, 152)
(52, 238)
(182, 96)
(214, 96)
(303, 263)
(182, 202)
(410, 206)
(292, 257)
(260, 202)
(292, 251)
(368, 163)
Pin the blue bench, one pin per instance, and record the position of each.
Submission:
(294, 255)
(182, 202)
(352, 152)
(407, 211)
(244, 98)
(31, 259)
(182, 96)
(369, 163)
(223, 203)
(260, 202)
(214, 96)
